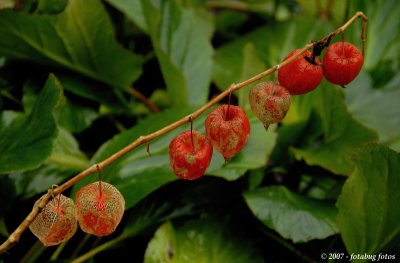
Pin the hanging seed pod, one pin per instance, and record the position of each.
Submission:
(99, 207)
(228, 131)
(190, 154)
(270, 102)
(56, 222)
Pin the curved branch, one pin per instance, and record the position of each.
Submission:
(15, 236)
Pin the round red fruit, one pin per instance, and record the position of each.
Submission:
(342, 63)
(301, 75)
(190, 154)
(99, 207)
(228, 131)
(270, 102)
(56, 222)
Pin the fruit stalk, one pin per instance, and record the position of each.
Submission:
(15, 236)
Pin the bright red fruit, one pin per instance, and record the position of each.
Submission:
(190, 155)
(99, 207)
(270, 102)
(228, 132)
(342, 63)
(300, 76)
(56, 222)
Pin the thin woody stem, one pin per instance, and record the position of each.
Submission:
(363, 30)
(134, 92)
(191, 133)
(100, 180)
(229, 104)
(15, 236)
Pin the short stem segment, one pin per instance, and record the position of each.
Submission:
(191, 134)
(343, 45)
(229, 104)
(100, 182)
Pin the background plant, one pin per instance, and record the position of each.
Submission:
(279, 193)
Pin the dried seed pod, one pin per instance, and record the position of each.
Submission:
(270, 102)
(99, 208)
(190, 154)
(56, 222)
(228, 131)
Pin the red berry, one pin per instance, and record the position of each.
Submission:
(228, 131)
(270, 102)
(300, 76)
(56, 222)
(342, 63)
(99, 211)
(190, 155)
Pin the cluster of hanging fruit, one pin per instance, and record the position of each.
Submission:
(228, 127)
(99, 209)
(100, 206)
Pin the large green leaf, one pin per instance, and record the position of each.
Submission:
(369, 213)
(66, 152)
(293, 216)
(81, 38)
(75, 117)
(376, 108)
(132, 9)
(96, 91)
(33, 182)
(203, 240)
(182, 48)
(27, 141)
(342, 135)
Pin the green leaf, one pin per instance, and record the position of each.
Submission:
(321, 187)
(136, 185)
(293, 216)
(65, 161)
(33, 182)
(66, 152)
(27, 141)
(93, 90)
(81, 38)
(376, 108)
(182, 49)
(342, 135)
(204, 240)
(74, 117)
(51, 6)
(132, 9)
(369, 214)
